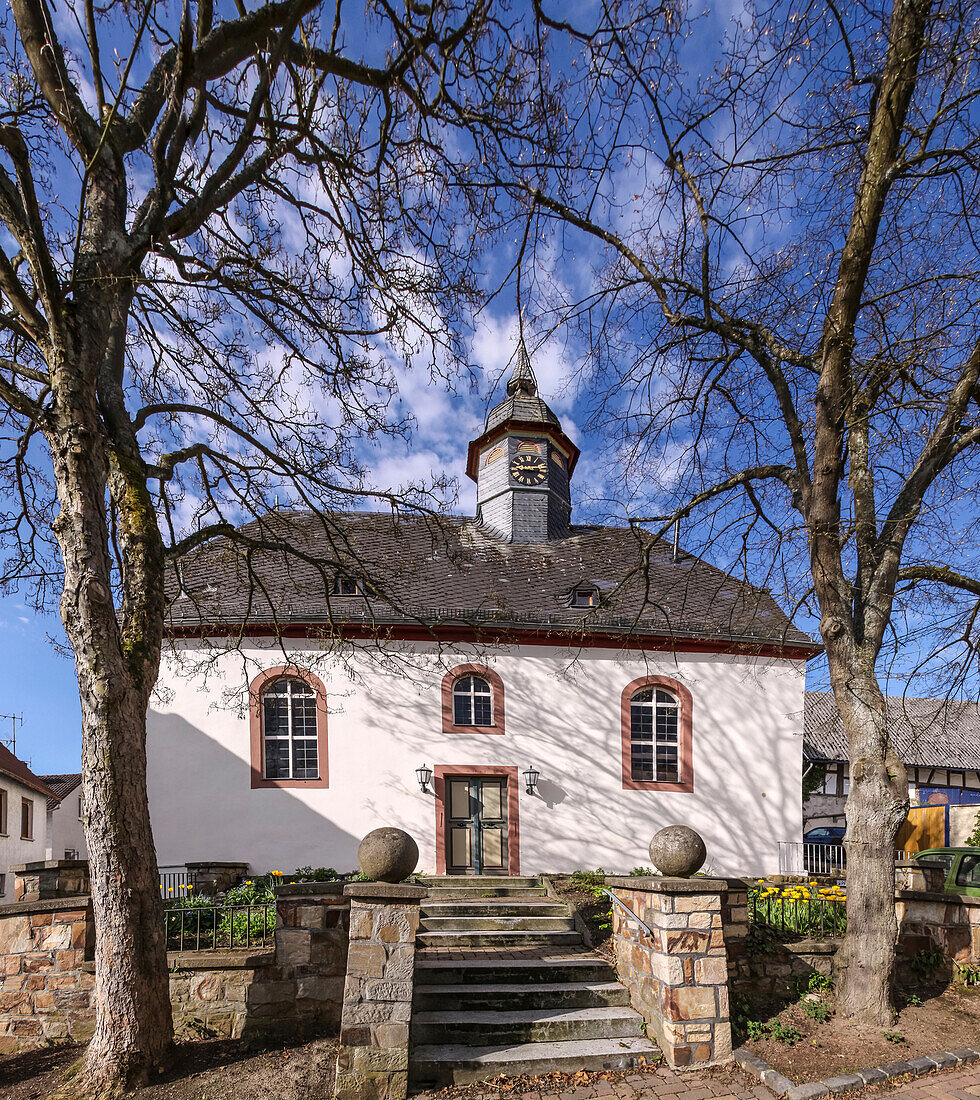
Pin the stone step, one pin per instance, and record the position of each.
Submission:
(511, 996)
(495, 907)
(449, 882)
(499, 939)
(490, 972)
(468, 925)
(536, 1025)
(457, 1064)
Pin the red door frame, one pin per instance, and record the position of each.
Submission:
(441, 772)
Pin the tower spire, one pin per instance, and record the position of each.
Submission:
(522, 381)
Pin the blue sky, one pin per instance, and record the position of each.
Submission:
(39, 680)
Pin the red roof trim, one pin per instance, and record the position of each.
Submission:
(506, 635)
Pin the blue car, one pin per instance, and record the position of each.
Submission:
(823, 850)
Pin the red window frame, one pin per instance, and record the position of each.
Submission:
(497, 703)
(255, 690)
(685, 740)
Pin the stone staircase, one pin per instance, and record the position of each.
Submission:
(504, 985)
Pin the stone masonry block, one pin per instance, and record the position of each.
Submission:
(293, 946)
(688, 942)
(270, 992)
(366, 960)
(310, 916)
(388, 991)
(368, 1059)
(688, 1002)
(15, 934)
(711, 970)
(360, 922)
(391, 1036)
(697, 903)
(667, 968)
(671, 920)
(381, 1013)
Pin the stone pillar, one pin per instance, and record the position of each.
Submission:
(675, 964)
(373, 1059)
(311, 947)
(51, 878)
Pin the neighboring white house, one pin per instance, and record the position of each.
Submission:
(938, 739)
(66, 834)
(629, 686)
(23, 818)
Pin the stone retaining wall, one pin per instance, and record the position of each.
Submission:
(46, 987)
(297, 985)
(950, 922)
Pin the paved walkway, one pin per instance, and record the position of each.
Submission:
(724, 1083)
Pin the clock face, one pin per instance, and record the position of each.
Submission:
(528, 469)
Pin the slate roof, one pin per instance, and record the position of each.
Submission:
(926, 733)
(433, 572)
(15, 768)
(61, 786)
(524, 407)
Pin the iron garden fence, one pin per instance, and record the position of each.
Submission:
(214, 927)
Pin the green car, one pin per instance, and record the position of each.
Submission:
(962, 868)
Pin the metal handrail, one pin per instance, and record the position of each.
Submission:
(626, 909)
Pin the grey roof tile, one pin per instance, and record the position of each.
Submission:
(926, 733)
(451, 570)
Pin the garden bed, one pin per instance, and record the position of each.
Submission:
(583, 891)
(806, 1042)
(218, 1069)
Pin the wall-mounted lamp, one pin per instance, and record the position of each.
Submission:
(424, 775)
(530, 778)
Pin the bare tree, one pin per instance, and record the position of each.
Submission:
(216, 225)
(783, 324)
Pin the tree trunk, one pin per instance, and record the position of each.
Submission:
(116, 672)
(877, 804)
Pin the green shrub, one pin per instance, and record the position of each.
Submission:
(784, 1033)
(973, 840)
(315, 874)
(926, 963)
(816, 1010)
(641, 872)
(591, 882)
(813, 982)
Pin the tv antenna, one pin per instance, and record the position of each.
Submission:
(13, 719)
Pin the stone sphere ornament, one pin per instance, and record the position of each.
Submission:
(677, 851)
(387, 855)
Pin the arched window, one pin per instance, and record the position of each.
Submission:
(289, 729)
(657, 735)
(654, 736)
(472, 702)
(528, 448)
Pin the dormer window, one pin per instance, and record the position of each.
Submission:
(347, 586)
(585, 596)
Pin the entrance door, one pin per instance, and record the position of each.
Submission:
(476, 825)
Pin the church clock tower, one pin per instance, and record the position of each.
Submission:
(522, 464)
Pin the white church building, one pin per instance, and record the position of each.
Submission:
(520, 693)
